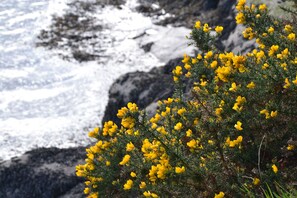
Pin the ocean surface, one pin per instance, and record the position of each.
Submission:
(46, 101)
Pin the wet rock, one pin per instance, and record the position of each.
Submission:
(211, 4)
(147, 47)
(142, 88)
(186, 12)
(76, 29)
(44, 173)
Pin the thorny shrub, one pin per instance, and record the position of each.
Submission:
(235, 130)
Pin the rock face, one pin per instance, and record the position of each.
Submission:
(43, 173)
(186, 12)
(141, 88)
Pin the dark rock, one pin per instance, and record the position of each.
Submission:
(42, 173)
(82, 56)
(187, 12)
(144, 9)
(211, 4)
(141, 88)
(147, 47)
(76, 29)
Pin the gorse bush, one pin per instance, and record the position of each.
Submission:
(231, 135)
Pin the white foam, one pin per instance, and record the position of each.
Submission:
(47, 101)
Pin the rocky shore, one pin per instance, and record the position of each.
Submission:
(50, 172)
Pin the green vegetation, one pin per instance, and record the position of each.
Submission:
(233, 135)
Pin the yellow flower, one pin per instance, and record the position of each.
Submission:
(239, 139)
(238, 126)
(94, 133)
(260, 55)
(210, 142)
(154, 126)
(220, 195)
(219, 111)
(149, 194)
(125, 160)
(128, 122)
(233, 87)
(107, 163)
(284, 66)
(128, 185)
(181, 111)
(274, 168)
(251, 85)
(179, 170)
(236, 107)
(178, 126)
(194, 60)
(273, 114)
(87, 191)
(214, 64)
(256, 181)
(132, 107)
(290, 147)
(175, 79)
(122, 112)
(223, 73)
(262, 7)
(219, 29)
(198, 24)
(240, 5)
(270, 30)
(240, 100)
(232, 144)
(240, 19)
(186, 58)
(188, 67)
(288, 28)
(192, 144)
(189, 133)
(178, 71)
(287, 83)
(273, 49)
(208, 55)
(265, 66)
(291, 36)
(156, 118)
(285, 53)
(142, 185)
(188, 74)
(133, 174)
(206, 28)
(266, 112)
(203, 83)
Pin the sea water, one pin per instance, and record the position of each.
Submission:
(46, 101)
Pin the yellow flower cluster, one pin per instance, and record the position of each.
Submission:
(238, 105)
(233, 143)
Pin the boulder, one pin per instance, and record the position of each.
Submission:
(43, 173)
(141, 88)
